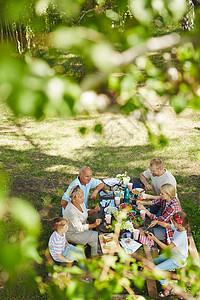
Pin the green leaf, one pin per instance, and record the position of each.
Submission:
(10, 256)
(157, 140)
(83, 130)
(195, 102)
(29, 249)
(98, 128)
(179, 103)
(123, 256)
(102, 56)
(177, 13)
(26, 215)
(113, 82)
(109, 260)
(142, 10)
(100, 2)
(139, 281)
(111, 14)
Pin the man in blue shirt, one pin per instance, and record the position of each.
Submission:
(86, 182)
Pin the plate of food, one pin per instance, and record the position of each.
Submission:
(109, 243)
(120, 215)
(110, 210)
(138, 191)
(126, 206)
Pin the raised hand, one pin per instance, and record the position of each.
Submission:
(151, 236)
(96, 209)
(98, 222)
(149, 187)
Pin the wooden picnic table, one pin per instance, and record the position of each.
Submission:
(151, 284)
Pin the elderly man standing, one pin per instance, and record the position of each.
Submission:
(86, 183)
(158, 176)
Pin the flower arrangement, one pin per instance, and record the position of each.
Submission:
(123, 178)
(127, 226)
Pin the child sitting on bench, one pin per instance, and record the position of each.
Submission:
(59, 248)
(178, 247)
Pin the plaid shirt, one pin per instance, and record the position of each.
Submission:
(167, 211)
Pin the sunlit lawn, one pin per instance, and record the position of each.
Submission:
(42, 158)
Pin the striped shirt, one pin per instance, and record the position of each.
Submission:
(167, 212)
(56, 244)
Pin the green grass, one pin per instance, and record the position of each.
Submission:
(42, 158)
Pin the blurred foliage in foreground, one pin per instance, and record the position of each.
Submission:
(114, 42)
(19, 229)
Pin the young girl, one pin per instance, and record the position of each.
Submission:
(169, 206)
(178, 247)
(59, 247)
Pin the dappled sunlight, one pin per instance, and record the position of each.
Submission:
(42, 158)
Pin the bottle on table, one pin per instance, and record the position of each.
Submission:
(126, 194)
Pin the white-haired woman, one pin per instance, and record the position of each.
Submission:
(76, 213)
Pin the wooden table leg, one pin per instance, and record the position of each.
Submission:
(152, 288)
(151, 284)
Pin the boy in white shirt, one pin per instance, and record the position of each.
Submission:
(59, 248)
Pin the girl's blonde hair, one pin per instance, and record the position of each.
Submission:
(58, 223)
(169, 189)
(75, 191)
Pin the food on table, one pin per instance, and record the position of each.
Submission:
(109, 227)
(131, 213)
(108, 241)
(108, 237)
(127, 240)
(137, 222)
(110, 245)
(107, 191)
(110, 210)
(136, 192)
(120, 215)
(126, 206)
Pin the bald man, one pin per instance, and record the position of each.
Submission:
(86, 183)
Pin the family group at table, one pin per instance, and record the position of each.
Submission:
(163, 208)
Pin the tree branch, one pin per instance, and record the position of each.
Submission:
(153, 44)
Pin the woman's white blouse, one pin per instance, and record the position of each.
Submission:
(77, 221)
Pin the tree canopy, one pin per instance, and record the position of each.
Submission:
(113, 43)
(69, 57)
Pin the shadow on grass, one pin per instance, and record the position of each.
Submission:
(42, 179)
